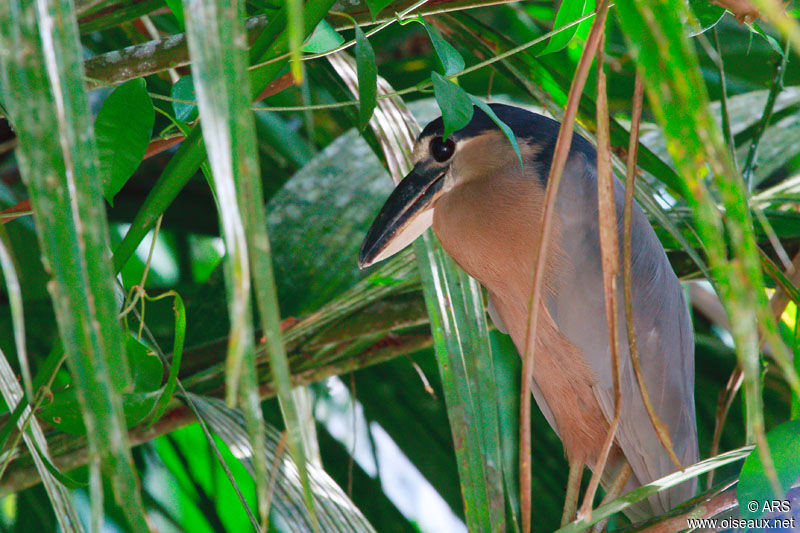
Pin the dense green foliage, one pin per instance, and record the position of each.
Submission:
(273, 131)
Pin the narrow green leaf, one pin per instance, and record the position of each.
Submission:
(645, 491)
(175, 365)
(324, 39)
(336, 511)
(295, 28)
(43, 77)
(455, 103)
(367, 78)
(123, 129)
(754, 486)
(570, 11)
(449, 56)
(14, 291)
(216, 37)
(56, 473)
(678, 98)
(500, 124)
(34, 439)
(183, 89)
(376, 6)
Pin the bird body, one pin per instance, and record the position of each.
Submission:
(486, 211)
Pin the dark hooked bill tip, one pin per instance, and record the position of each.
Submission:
(412, 195)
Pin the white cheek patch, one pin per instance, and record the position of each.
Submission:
(407, 234)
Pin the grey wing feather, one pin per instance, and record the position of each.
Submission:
(495, 316)
(662, 324)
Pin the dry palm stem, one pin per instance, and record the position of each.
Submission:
(609, 252)
(660, 428)
(561, 152)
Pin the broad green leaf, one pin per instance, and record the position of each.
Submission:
(123, 129)
(771, 41)
(784, 447)
(449, 56)
(42, 76)
(64, 410)
(324, 39)
(271, 43)
(570, 11)
(184, 90)
(707, 14)
(455, 103)
(500, 124)
(376, 6)
(367, 78)
(177, 10)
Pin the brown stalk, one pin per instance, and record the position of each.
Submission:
(662, 431)
(724, 403)
(609, 253)
(560, 155)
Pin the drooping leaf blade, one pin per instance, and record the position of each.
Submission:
(448, 55)
(123, 128)
(183, 89)
(367, 78)
(569, 11)
(455, 103)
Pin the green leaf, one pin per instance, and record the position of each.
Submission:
(56, 473)
(324, 39)
(755, 28)
(754, 486)
(570, 11)
(376, 6)
(500, 124)
(455, 103)
(367, 78)
(177, 10)
(123, 129)
(175, 365)
(707, 14)
(183, 89)
(42, 77)
(216, 39)
(271, 44)
(64, 410)
(449, 56)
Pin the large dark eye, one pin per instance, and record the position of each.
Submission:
(442, 150)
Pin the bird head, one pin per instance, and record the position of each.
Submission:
(480, 150)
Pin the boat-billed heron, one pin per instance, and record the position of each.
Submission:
(486, 209)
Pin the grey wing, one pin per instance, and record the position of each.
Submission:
(662, 324)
